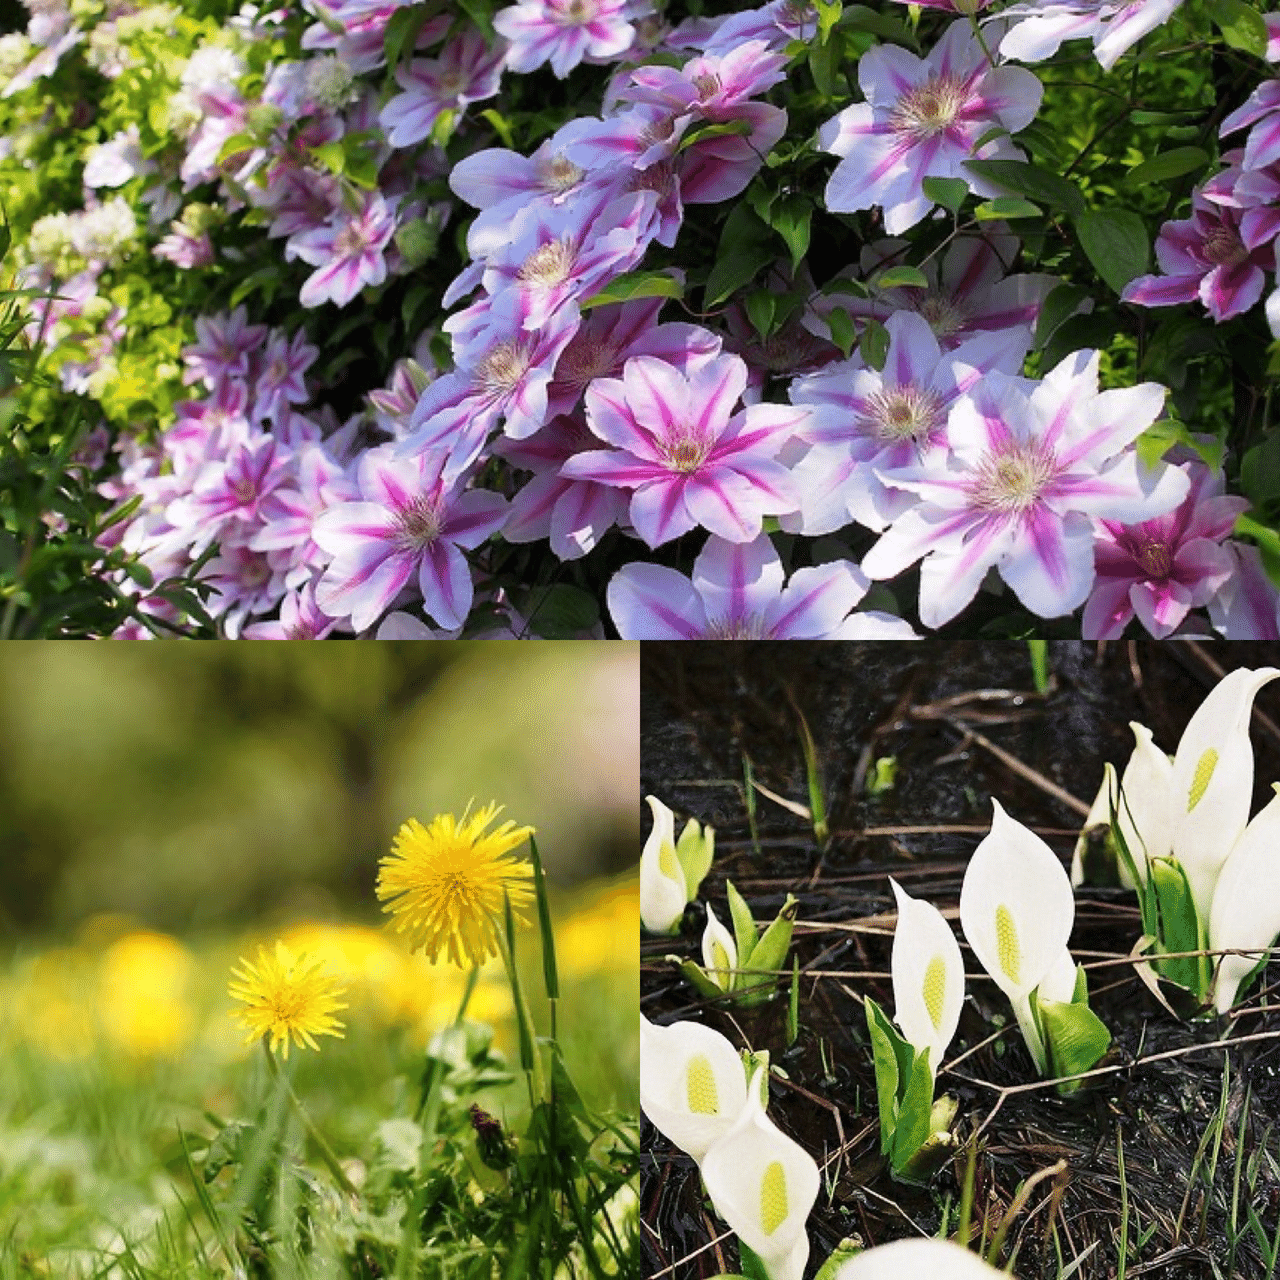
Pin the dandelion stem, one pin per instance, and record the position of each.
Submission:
(531, 1058)
(326, 1151)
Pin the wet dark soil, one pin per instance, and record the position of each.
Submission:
(963, 723)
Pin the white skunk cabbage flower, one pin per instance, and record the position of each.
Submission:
(916, 1259)
(928, 976)
(719, 953)
(763, 1184)
(1246, 902)
(1017, 910)
(1059, 984)
(1212, 783)
(692, 1083)
(671, 871)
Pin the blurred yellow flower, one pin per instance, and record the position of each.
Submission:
(143, 989)
(604, 935)
(51, 1009)
(444, 884)
(287, 997)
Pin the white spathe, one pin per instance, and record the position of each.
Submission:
(692, 1083)
(763, 1184)
(719, 953)
(1059, 984)
(1146, 802)
(1016, 906)
(928, 976)
(917, 1260)
(1246, 902)
(663, 894)
(1212, 783)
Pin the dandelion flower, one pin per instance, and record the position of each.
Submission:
(445, 883)
(287, 996)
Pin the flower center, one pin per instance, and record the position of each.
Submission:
(576, 13)
(588, 362)
(748, 628)
(1008, 949)
(418, 524)
(559, 174)
(244, 489)
(700, 1086)
(1224, 248)
(656, 131)
(1156, 559)
(351, 241)
(502, 368)
(685, 450)
(930, 108)
(944, 315)
(277, 370)
(256, 572)
(548, 265)
(707, 84)
(934, 989)
(1012, 481)
(903, 413)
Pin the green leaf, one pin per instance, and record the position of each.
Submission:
(840, 322)
(874, 344)
(744, 251)
(885, 1057)
(727, 128)
(1260, 472)
(402, 33)
(1075, 1035)
(913, 1113)
(1063, 301)
(1032, 181)
(745, 932)
(6, 239)
(1115, 242)
(1180, 927)
(790, 217)
(828, 15)
(901, 277)
(950, 193)
(1168, 164)
(768, 955)
(562, 611)
(259, 279)
(1242, 26)
(761, 308)
(752, 1267)
(1006, 207)
(501, 127)
(332, 155)
(698, 978)
(635, 284)
(239, 142)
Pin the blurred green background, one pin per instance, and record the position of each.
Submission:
(193, 787)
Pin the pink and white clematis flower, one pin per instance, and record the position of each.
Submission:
(689, 459)
(348, 252)
(564, 32)
(865, 422)
(739, 592)
(1028, 468)
(1161, 569)
(1039, 27)
(414, 518)
(922, 119)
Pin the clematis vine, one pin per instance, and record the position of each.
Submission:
(739, 590)
(1027, 467)
(922, 118)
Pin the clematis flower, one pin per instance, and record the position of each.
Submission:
(413, 521)
(564, 32)
(864, 422)
(969, 292)
(1261, 115)
(671, 872)
(1026, 467)
(763, 1184)
(1161, 569)
(689, 459)
(1245, 913)
(1017, 911)
(348, 252)
(466, 71)
(115, 162)
(1211, 256)
(1247, 606)
(921, 119)
(928, 976)
(692, 1083)
(937, 1259)
(300, 619)
(1038, 28)
(222, 348)
(738, 592)
(1212, 782)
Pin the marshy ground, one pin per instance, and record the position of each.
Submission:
(1168, 1165)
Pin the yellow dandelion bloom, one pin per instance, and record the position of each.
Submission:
(444, 883)
(287, 996)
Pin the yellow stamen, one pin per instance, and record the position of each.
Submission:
(773, 1198)
(935, 988)
(1200, 783)
(700, 1086)
(1007, 947)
